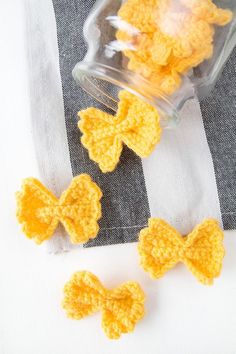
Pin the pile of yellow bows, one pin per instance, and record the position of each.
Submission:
(173, 37)
(160, 248)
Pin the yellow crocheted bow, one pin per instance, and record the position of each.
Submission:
(136, 124)
(202, 251)
(78, 209)
(121, 308)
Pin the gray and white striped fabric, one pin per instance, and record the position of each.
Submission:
(191, 174)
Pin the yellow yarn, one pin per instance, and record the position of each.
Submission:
(121, 308)
(174, 36)
(202, 251)
(78, 209)
(136, 124)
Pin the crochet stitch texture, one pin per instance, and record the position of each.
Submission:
(202, 251)
(136, 124)
(78, 209)
(174, 37)
(121, 308)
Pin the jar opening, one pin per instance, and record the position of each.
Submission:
(104, 83)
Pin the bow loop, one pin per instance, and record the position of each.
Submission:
(78, 209)
(103, 145)
(82, 209)
(83, 295)
(32, 199)
(121, 308)
(136, 124)
(161, 247)
(143, 132)
(204, 251)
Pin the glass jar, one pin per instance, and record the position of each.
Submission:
(159, 50)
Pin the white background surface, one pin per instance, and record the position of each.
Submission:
(182, 316)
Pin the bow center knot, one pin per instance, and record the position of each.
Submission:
(56, 211)
(117, 128)
(181, 252)
(59, 211)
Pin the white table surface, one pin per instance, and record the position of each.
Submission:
(182, 316)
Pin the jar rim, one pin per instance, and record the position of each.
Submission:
(88, 74)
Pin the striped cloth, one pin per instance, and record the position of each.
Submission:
(190, 176)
